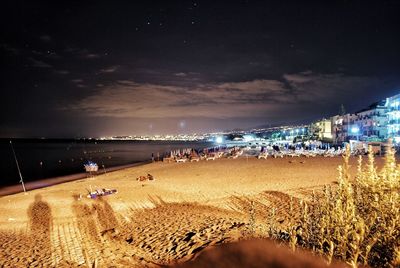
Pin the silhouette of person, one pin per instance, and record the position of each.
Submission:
(40, 218)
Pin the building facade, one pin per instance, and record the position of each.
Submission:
(369, 124)
(322, 130)
(372, 122)
(393, 120)
(343, 128)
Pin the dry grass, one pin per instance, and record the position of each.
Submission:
(357, 221)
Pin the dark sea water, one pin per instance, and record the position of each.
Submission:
(39, 159)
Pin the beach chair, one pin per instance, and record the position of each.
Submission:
(278, 154)
(220, 154)
(262, 156)
(210, 157)
(194, 159)
(181, 160)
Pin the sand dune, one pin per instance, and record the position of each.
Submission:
(188, 208)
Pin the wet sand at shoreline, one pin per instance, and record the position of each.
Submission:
(189, 207)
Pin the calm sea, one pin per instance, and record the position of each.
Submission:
(39, 159)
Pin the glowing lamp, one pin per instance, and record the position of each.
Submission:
(219, 140)
(355, 130)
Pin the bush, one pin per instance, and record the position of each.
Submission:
(357, 221)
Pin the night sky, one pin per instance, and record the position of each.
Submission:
(87, 68)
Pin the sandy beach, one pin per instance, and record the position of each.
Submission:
(187, 208)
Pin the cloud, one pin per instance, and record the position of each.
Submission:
(77, 81)
(326, 88)
(143, 100)
(110, 69)
(37, 53)
(39, 64)
(63, 72)
(297, 78)
(180, 74)
(91, 56)
(10, 49)
(45, 38)
(292, 96)
(258, 86)
(81, 52)
(53, 55)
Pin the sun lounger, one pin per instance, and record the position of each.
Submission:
(262, 156)
(181, 160)
(278, 154)
(194, 159)
(210, 158)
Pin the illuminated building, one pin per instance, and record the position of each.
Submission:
(393, 112)
(372, 122)
(342, 126)
(369, 124)
(322, 130)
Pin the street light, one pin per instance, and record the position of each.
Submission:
(355, 130)
(219, 140)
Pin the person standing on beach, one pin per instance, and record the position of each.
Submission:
(152, 157)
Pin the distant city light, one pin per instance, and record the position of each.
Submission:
(248, 138)
(355, 130)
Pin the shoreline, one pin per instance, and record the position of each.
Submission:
(43, 183)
